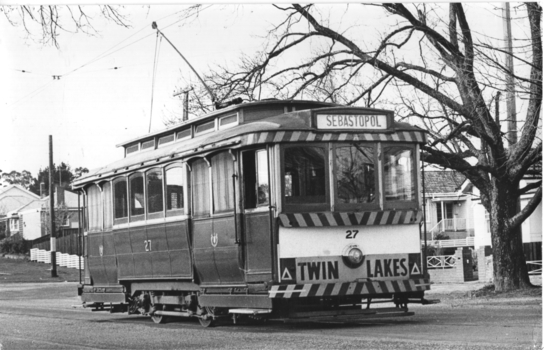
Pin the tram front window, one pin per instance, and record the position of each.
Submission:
(355, 176)
(399, 176)
(305, 175)
(255, 178)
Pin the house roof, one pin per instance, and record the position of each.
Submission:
(443, 181)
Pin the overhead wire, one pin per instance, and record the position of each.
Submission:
(99, 57)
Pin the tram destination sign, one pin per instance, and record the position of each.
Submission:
(352, 121)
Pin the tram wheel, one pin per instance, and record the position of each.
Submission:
(208, 317)
(159, 318)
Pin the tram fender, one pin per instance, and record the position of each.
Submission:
(246, 301)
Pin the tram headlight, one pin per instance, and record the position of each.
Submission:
(353, 256)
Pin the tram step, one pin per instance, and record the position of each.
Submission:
(172, 313)
(250, 311)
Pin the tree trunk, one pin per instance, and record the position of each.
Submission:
(509, 266)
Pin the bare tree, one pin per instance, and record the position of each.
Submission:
(47, 22)
(436, 69)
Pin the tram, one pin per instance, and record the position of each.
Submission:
(277, 209)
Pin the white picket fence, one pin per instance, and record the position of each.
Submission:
(66, 260)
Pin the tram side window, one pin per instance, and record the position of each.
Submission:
(154, 191)
(222, 171)
(200, 178)
(399, 174)
(137, 203)
(108, 212)
(255, 179)
(94, 207)
(120, 199)
(355, 174)
(305, 175)
(174, 188)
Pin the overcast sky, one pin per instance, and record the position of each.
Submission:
(103, 96)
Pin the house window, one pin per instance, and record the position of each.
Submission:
(305, 176)
(174, 188)
(355, 174)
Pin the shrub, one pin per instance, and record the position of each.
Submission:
(13, 245)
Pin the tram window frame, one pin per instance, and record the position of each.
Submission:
(95, 207)
(250, 171)
(375, 204)
(206, 213)
(302, 204)
(180, 210)
(223, 190)
(157, 213)
(131, 198)
(107, 205)
(117, 220)
(396, 203)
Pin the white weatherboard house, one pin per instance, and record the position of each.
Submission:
(31, 215)
(448, 206)
(13, 197)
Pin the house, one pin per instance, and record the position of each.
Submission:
(531, 233)
(448, 206)
(13, 197)
(32, 218)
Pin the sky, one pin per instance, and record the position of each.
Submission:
(104, 93)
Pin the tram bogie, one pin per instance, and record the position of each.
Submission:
(283, 210)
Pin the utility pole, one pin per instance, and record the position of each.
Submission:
(510, 86)
(185, 102)
(52, 212)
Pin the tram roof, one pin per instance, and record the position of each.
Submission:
(287, 127)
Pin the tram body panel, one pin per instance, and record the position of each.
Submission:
(317, 254)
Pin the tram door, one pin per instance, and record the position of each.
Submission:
(216, 248)
(256, 213)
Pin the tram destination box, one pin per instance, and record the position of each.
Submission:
(353, 119)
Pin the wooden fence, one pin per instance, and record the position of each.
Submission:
(67, 242)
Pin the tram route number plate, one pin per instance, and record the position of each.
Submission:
(332, 269)
(352, 121)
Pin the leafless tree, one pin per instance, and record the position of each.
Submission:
(434, 68)
(47, 22)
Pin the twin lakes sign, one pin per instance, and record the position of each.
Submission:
(383, 267)
(351, 121)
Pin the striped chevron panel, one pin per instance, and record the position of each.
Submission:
(309, 136)
(391, 217)
(348, 288)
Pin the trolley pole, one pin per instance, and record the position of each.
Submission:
(52, 212)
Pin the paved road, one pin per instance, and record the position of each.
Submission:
(41, 316)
